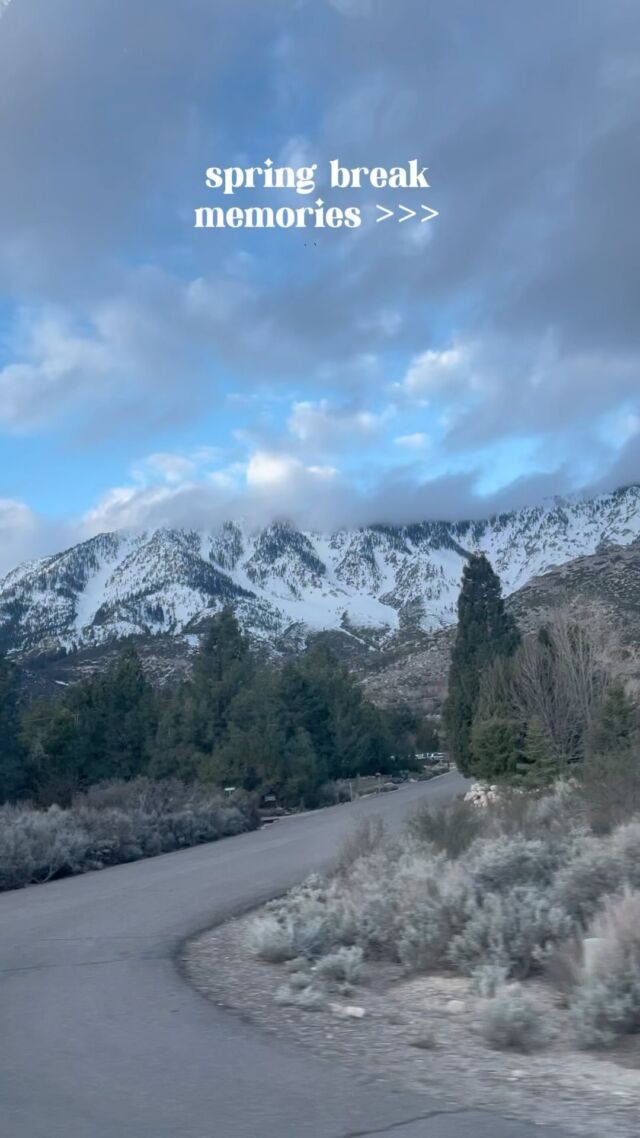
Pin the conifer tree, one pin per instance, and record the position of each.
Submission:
(222, 668)
(124, 713)
(616, 724)
(537, 767)
(494, 748)
(12, 769)
(485, 631)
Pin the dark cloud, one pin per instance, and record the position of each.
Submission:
(527, 117)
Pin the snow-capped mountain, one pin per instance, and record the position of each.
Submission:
(379, 579)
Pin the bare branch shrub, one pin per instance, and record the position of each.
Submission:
(558, 680)
(367, 836)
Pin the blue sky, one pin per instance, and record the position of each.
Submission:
(155, 374)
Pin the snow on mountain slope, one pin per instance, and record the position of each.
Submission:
(378, 578)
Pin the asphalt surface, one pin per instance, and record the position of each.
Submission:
(101, 1037)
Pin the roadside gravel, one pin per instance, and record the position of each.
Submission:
(421, 1033)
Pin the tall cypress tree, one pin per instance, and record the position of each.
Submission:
(485, 632)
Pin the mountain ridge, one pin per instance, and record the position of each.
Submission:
(283, 582)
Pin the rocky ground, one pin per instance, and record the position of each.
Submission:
(422, 1033)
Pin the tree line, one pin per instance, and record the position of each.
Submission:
(528, 709)
(239, 721)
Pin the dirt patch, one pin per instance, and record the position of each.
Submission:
(422, 1033)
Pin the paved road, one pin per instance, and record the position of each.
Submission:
(100, 1037)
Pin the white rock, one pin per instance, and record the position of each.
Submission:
(454, 1007)
(348, 1011)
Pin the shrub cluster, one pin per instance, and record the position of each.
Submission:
(112, 823)
(504, 897)
(512, 1021)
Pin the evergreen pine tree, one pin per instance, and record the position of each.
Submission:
(494, 748)
(537, 767)
(101, 729)
(616, 724)
(173, 753)
(302, 774)
(56, 752)
(485, 631)
(13, 777)
(222, 668)
(124, 720)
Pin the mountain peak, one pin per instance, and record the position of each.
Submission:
(377, 577)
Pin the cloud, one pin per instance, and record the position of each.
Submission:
(276, 486)
(510, 319)
(417, 441)
(331, 427)
(127, 361)
(25, 535)
(52, 376)
(447, 371)
(498, 387)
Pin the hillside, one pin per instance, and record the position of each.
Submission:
(600, 591)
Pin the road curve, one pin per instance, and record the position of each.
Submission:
(100, 1037)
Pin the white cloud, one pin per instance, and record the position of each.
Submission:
(271, 469)
(170, 468)
(24, 535)
(329, 427)
(56, 367)
(417, 441)
(434, 372)
(268, 471)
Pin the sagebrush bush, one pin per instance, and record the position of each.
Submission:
(113, 823)
(309, 999)
(450, 829)
(516, 929)
(38, 845)
(430, 917)
(498, 864)
(269, 940)
(487, 979)
(508, 905)
(551, 816)
(594, 871)
(512, 1021)
(606, 1004)
(345, 964)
